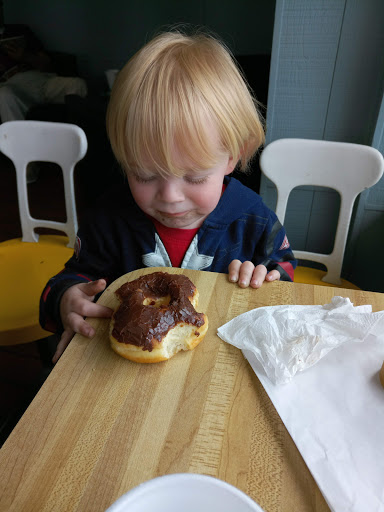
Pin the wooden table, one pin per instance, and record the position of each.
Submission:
(101, 425)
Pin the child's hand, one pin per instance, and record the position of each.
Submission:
(246, 274)
(76, 303)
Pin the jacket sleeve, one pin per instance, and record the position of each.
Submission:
(50, 319)
(278, 254)
(91, 260)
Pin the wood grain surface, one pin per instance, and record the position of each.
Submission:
(101, 425)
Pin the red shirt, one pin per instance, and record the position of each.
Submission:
(176, 241)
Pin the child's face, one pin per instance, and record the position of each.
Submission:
(181, 202)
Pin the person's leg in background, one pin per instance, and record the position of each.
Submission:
(20, 93)
(17, 96)
(57, 87)
(13, 107)
(24, 90)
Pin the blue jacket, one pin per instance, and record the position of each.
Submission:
(118, 237)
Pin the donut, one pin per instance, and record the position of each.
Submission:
(156, 318)
(382, 375)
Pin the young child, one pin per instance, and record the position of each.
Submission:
(180, 119)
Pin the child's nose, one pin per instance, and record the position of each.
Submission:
(171, 191)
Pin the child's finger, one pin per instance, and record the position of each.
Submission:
(246, 272)
(94, 287)
(273, 275)
(258, 276)
(93, 310)
(77, 324)
(62, 345)
(233, 271)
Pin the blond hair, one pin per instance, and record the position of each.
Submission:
(177, 95)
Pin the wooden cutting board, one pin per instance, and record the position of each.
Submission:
(101, 425)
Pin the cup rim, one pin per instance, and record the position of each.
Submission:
(177, 478)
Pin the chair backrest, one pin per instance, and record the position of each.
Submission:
(345, 167)
(30, 141)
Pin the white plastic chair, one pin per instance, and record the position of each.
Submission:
(27, 263)
(345, 167)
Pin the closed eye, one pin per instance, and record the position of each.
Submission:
(196, 181)
(144, 179)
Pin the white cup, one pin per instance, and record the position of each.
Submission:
(185, 492)
(111, 75)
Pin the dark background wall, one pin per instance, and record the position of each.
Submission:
(104, 34)
(326, 81)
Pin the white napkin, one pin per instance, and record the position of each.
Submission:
(288, 339)
(334, 411)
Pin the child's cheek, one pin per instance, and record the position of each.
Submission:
(140, 195)
(209, 197)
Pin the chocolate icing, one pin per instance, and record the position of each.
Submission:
(139, 324)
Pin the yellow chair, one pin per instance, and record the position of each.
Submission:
(27, 263)
(347, 168)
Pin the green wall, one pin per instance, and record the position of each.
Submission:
(327, 82)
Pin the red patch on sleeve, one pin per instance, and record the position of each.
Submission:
(45, 294)
(77, 247)
(285, 244)
(286, 265)
(85, 277)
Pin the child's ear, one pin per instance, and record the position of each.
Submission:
(232, 162)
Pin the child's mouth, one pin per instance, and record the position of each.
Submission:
(172, 215)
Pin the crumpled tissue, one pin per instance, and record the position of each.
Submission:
(288, 339)
(334, 410)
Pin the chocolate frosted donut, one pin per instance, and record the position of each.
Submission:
(157, 318)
